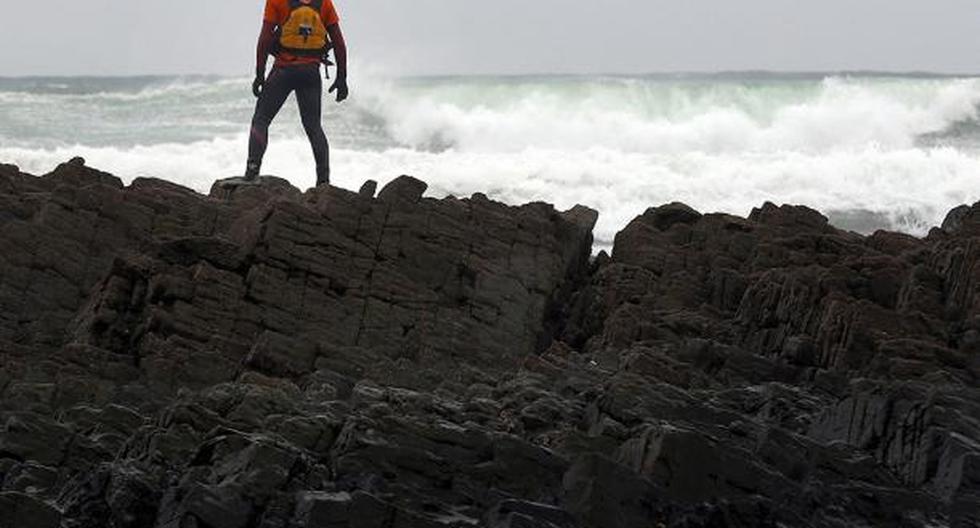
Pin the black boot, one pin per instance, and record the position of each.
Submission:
(322, 176)
(252, 169)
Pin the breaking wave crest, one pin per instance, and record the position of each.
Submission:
(669, 118)
(897, 151)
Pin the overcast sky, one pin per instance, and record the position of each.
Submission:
(115, 37)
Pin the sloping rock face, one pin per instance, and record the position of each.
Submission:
(264, 358)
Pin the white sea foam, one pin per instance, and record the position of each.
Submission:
(914, 188)
(629, 118)
(619, 145)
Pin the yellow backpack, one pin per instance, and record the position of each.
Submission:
(303, 33)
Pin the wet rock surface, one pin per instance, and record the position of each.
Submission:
(266, 358)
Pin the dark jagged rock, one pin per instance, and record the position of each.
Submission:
(368, 190)
(26, 511)
(266, 358)
(778, 357)
(954, 220)
(403, 189)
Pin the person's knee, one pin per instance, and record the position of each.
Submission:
(313, 127)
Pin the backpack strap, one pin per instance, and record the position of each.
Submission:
(315, 4)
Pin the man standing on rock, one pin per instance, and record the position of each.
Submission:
(299, 33)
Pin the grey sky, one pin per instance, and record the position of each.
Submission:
(99, 37)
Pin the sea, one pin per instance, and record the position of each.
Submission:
(870, 150)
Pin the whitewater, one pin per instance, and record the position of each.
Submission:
(871, 151)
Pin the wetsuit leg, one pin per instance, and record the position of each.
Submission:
(274, 94)
(309, 96)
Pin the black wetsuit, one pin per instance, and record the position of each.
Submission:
(305, 80)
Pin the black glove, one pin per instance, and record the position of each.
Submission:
(258, 84)
(340, 86)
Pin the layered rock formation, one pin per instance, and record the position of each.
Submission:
(265, 358)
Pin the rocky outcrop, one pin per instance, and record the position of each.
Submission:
(777, 357)
(266, 358)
